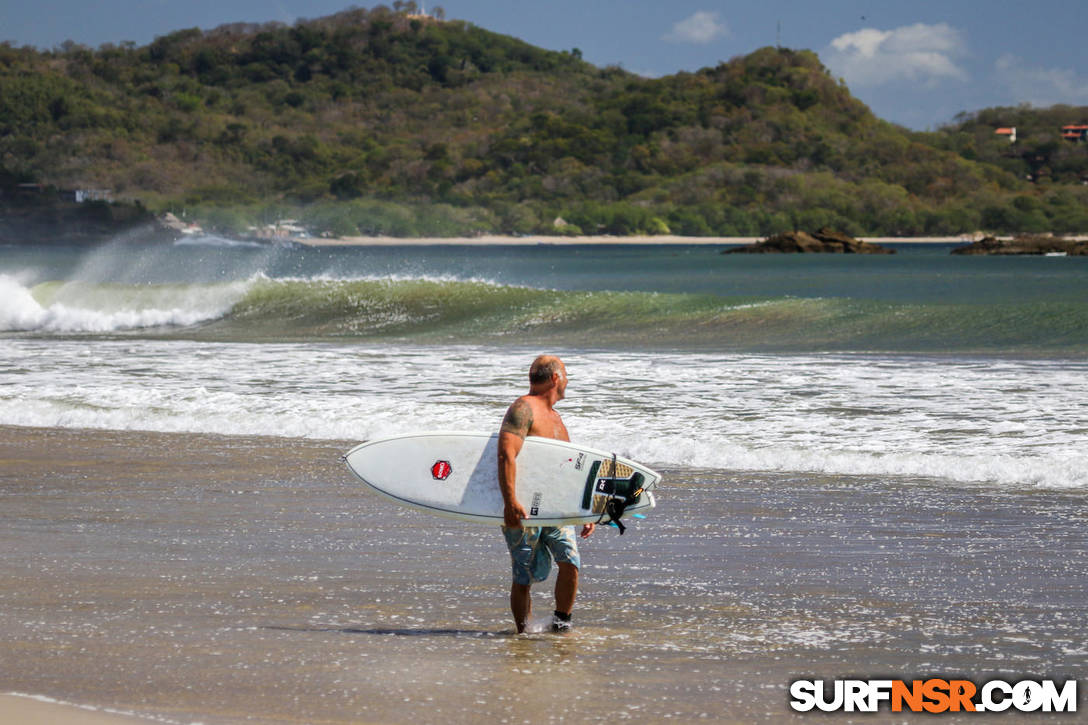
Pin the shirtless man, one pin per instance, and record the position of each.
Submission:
(532, 548)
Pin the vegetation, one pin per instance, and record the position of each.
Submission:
(45, 215)
(1056, 168)
(384, 122)
(1039, 153)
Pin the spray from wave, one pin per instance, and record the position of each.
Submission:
(122, 287)
(76, 307)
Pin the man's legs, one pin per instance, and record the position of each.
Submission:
(521, 605)
(564, 547)
(529, 562)
(566, 587)
(531, 552)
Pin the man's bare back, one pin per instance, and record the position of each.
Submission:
(530, 415)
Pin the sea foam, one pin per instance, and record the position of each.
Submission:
(1016, 424)
(80, 307)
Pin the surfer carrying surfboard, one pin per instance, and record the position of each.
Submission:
(533, 548)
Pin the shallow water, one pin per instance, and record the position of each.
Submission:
(232, 580)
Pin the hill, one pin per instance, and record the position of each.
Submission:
(380, 121)
(1056, 164)
(1039, 150)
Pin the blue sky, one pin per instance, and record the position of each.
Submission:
(915, 62)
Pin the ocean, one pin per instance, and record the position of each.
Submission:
(873, 467)
(966, 369)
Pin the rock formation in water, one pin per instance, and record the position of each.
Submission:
(1026, 244)
(822, 241)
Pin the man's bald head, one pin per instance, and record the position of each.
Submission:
(543, 368)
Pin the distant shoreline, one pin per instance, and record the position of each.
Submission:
(500, 240)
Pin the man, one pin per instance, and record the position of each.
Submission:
(533, 548)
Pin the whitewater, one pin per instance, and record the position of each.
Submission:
(857, 415)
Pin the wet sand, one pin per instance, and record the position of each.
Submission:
(20, 710)
(223, 580)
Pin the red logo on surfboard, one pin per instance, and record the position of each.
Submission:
(441, 470)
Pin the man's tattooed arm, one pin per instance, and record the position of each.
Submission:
(518, 419)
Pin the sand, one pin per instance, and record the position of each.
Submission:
(22, 710)
(228, 580)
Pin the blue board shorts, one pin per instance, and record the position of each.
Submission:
(532, 549)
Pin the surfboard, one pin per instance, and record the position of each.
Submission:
(455, 474)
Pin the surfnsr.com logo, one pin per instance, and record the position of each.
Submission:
(933, 696)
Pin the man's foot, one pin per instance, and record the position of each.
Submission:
(560, 623)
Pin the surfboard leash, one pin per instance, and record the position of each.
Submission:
(614, 506)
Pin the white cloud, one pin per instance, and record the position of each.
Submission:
(1041, 86)
(701, 28)
(919, 53)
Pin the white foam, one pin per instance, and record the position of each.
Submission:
(212, 240)
(393, 278)
(1019, 424)
(98, 308)
(19, 310)
(1037, 471)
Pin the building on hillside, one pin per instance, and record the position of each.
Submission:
(282, 229)
(1010, 132)
(82, 195)
(170, 221)
(419, 12)
(1075, 133)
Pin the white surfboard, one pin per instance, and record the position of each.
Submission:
(455, 475)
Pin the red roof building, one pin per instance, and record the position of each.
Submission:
(1075, 132)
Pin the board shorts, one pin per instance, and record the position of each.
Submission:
(532, 549)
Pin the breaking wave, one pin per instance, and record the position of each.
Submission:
(440, 309)
(75, 307)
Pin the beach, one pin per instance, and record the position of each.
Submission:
(32, 710)
(222, 579)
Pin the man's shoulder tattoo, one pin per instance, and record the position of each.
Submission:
(518, 419)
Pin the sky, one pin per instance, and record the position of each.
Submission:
(915, 62)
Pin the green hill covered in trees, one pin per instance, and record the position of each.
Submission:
(384, 122)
